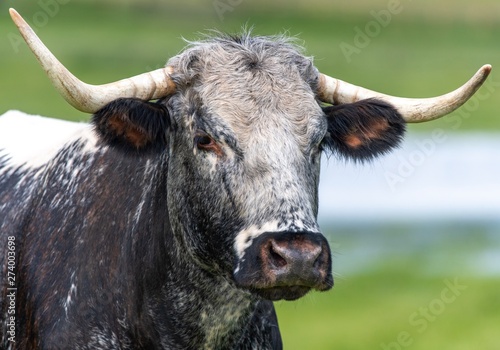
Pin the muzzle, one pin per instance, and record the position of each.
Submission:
(285, 265)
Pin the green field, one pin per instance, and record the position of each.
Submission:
(386, 306)
(425, 49)
(410, 53)
(426, 286)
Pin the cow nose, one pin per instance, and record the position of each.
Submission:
(297, 257)
(286, 265)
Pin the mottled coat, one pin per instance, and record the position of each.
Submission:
(170, 224)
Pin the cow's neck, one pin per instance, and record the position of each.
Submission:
(200, 310)
(219, 313)
(183, 302)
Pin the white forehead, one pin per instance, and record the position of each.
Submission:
(256, 86)
(258, 108)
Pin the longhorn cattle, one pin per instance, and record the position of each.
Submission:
(174, 224)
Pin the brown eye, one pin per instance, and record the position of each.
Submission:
(205, 143)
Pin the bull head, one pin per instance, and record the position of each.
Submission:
(280, 252)
(156, 84)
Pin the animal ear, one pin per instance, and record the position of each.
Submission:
(363, 130)
(132, 124)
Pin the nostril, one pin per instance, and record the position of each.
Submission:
(319, 262)
(281, 262)
(275, 257)
(318, 256)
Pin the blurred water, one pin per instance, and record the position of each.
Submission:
(454, 178)
(438, 197)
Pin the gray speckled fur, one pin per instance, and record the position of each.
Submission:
(122, 251)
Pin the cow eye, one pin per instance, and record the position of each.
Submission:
(204, 142)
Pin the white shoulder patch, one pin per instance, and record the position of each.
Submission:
(30, 141)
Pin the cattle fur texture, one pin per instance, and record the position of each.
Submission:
(132, 124)
(363, 130)
(174, 224)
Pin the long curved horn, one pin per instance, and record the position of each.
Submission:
(90, 98)
(413, 110)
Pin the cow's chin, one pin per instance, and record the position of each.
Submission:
(280, 293)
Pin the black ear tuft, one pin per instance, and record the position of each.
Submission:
(132, 124)
(363, 130)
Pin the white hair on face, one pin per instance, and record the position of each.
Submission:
(245, 80)
(260, 92)
(245, 237)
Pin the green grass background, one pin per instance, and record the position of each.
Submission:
(428, 48)
(399, 289)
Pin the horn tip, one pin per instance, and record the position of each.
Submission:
(483, 73)
(16, 17)
(486, 69)
(13, 13)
